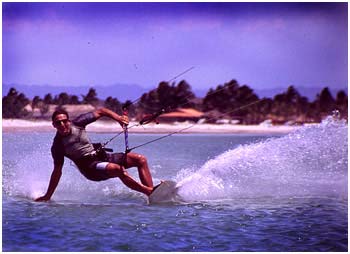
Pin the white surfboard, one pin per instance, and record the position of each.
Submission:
(165, 192)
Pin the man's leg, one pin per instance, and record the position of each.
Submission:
(140, 161)
(115, 170)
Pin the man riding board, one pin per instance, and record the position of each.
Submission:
(71, 141)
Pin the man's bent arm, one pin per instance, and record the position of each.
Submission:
(109, 113)
(54, 180)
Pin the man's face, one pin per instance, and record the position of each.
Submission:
(62, 124)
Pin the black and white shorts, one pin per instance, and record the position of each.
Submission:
(96, 170)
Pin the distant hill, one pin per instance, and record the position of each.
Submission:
(121, 91)
(132, 92)
(309, 92)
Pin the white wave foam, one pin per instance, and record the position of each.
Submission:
(311, 161)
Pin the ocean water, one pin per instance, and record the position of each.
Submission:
(236, 193)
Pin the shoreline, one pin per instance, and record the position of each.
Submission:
(19, 125)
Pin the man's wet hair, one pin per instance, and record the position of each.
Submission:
(59, 112)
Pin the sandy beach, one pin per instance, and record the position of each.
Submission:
(17, 125)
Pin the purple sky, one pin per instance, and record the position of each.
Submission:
(263, 45)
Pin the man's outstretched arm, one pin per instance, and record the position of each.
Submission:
(54, 180)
